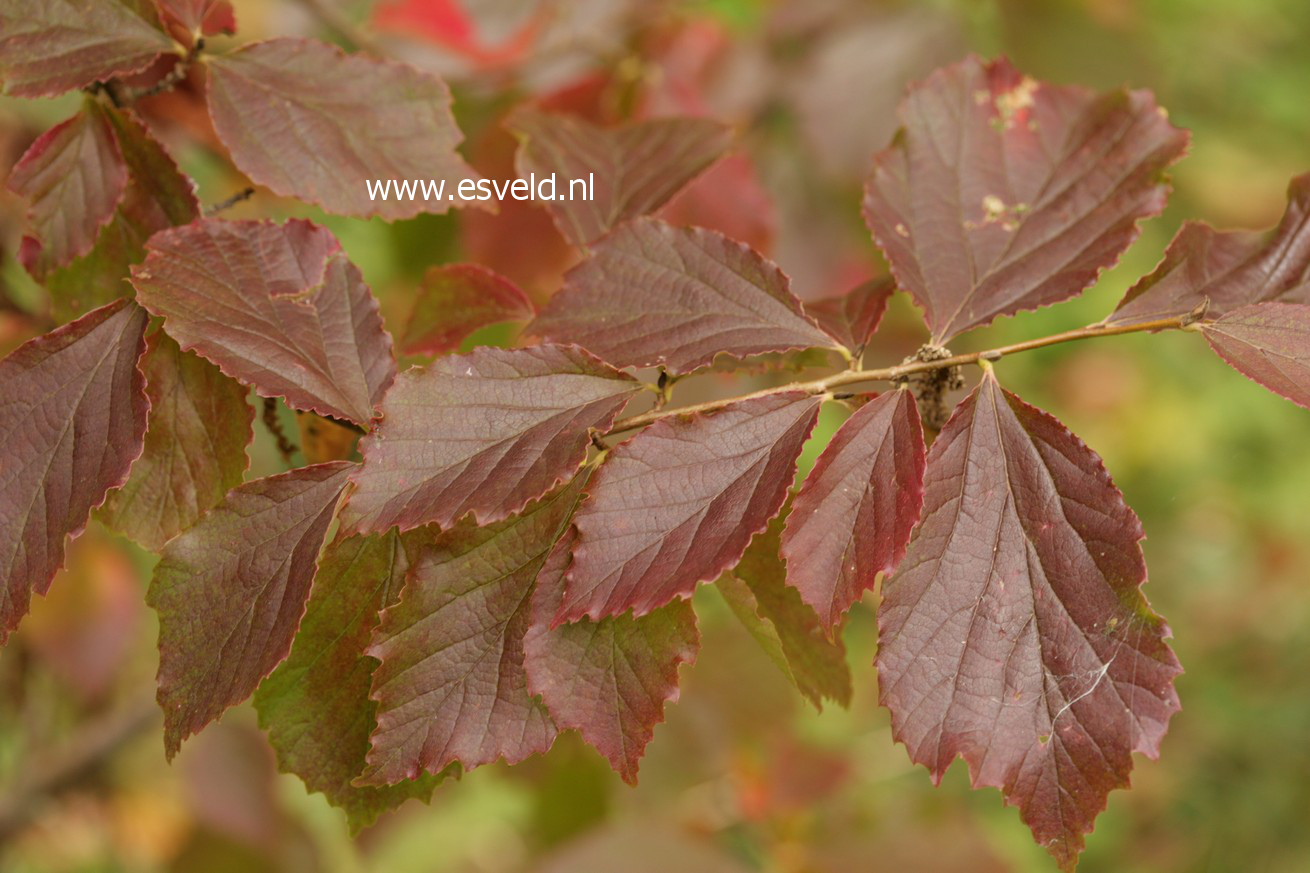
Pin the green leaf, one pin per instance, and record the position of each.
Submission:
(786, 628)
(315, 706)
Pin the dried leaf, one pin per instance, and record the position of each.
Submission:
(678, 503)
(315, 705)
(230, 593)
(789, 631)
(48, 47)
(1268, 343)
(654, 294)
(72, 420)
(854, 513)
(451, 687)
(630, 171)
(455, 300)
(483, 433)
(1015, 634)
(606, 679)
(1001, 193)
(279, 307)
(1223, 270)
(368, 119)
(853, 318)
(74, 176)
(195, 447)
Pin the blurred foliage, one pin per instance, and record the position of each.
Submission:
(744, 777)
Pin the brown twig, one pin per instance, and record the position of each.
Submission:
(215, 208)
(285, 447)
(909, 368)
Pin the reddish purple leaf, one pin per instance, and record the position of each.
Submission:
(48, 47)
(74, 177)
(454, 301)
(483, 433)
(315, 705)
(630, 171)
(1001, 194)
(789, 631)
(853, 318)
(1268, 343)
(230, 593)
(1227, 268)
(1015, 634)
(279, 307)
(653, 294)
(195, 447)
(853, 516)
(606, 679)
(367, 120)
(451, 686)
(678, 503)
(158, 196)
(72, 420)
(199, 17)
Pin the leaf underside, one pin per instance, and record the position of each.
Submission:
(1224, 270)
(1015, 634)
(1001, 194)
(853, 318)
(1268, 343)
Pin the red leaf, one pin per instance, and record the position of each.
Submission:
(729, 198)
(1268, 343)
(230, 593)
(678, 503)
(279, 307)
(483, 433)
(454, 301)
(195, 447)
(635, 169)
(1015, 634)
(72, 420)
(853, 318)
(790, 632)
(606, 679)
(451, 686)
(1001, 194)
(203, 17)
(158, 196)
(368, 119)
(315, 705)
(74, 176)
(653, 294)
(48, 47)
(853, 516)
(1227, 268)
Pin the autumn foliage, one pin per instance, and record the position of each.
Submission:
(510, 549)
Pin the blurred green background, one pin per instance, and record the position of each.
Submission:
(743, 776)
